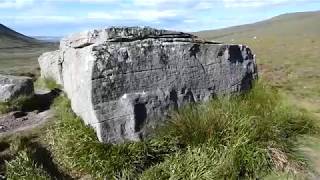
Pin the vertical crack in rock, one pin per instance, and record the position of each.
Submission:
(174, 98)
(163, 56)
(137, 75)
(194, 50)
(123, 129)
(60, 67)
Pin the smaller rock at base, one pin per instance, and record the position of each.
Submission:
(15, 86)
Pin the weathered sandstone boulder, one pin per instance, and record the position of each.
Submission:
(14, 86)
(124, 81)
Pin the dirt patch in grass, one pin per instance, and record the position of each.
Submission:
(32, 112)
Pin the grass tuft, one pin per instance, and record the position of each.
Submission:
(47, 83)
(77, 149)
(246, 137)
(16, 104)
(22, 167)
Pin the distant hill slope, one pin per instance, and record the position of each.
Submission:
(288, 52)
(53, 39)
(10, 38)
(19, 53)
(302, 23)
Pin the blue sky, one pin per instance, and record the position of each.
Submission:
(62, 17)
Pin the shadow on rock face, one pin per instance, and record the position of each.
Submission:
(41, 102)
(140, 115)
(235, 54)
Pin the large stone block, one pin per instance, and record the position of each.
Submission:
(125, 81)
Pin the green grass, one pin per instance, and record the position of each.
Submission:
(17, 155)
(242, 137)
(22, 167)
(46, 83)
(19, 53)
(23, 60)
(286, 48)
(77, 149)
(250, 136)
(227, 138)
(16, 104)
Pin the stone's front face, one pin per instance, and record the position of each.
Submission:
(125, 81)
(13, 86)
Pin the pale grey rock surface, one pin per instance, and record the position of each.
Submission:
(124, 81)
(14, 86)
(51, 66)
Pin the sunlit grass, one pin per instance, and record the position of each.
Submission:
(249, 136)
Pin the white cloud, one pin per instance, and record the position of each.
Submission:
(99, 1)
(205, 5)
(147, 15)
(190, 21)
(15, 3)
(159, 2)
(103, 15)
(40, 18)
(190, 15)
(153, 15)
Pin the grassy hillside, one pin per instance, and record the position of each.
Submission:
(287, 50)
(10, 38)
(19, 53)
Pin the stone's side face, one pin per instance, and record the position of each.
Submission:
(14, 86)
(125, 81)
(77, 82)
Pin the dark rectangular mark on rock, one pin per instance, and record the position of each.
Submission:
(235, 54)
(174, 98)
(140, 116)
(194, 50)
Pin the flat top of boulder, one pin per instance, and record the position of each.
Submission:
(120, 34)
(143, 32)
